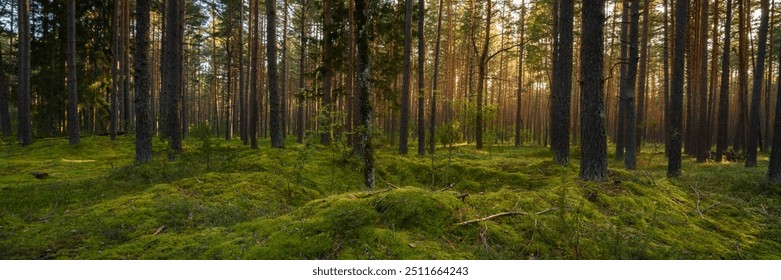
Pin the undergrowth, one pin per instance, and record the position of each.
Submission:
(222, 200)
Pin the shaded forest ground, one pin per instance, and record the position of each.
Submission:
(221, 200)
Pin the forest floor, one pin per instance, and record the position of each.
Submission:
(222, 200)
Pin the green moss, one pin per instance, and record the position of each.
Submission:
(308, 203)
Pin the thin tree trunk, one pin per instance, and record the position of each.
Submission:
(702, 148)
(434, 85)
(723, 133)
(73, 99)
(300, 123)
(328, 109)
(676, 96)
(405, 82)
(519, 95)
(642, 83)
(243, 104)
(740, 135)
(253, 84)
(621, 116)
(421, 89)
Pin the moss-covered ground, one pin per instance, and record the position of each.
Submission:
(222, 200)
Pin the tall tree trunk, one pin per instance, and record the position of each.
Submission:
(23, 101)
(702, 148)
(666, 86)
(628, 92)
(774, 170)
(434, 85)
(362, 45)
(141, 62)
(126, 119)
(740, 135)
(283, 78)
(621, 116)
(593, 153)
(115, 72)
(421, 89)
(519, 94)
(73, 99)
(243, 104)
(560, 99)
(642, 83)
(756, 93)
(173, 65)
(5, 116)
(275, 110)
(481, 75)
(300, 122)
(723, 123)
(676, 96)
(405, 82)
(253, 84)
(328, 109)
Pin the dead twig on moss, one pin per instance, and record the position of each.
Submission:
(509, 213)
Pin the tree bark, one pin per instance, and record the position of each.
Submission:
(405, 82)
(300, 122)
(435, 86)
(173, 65)
(362, 46)
(421, 89)
(628, 91)
(593, 153)
(642, 81)
(756, 93)
(519, 94)
(253, 84)
(560, 99)
(327, 109)
(73, 99)
(141, 62)
(676, 96)
(723, 132)
(23, 101)
(275, 110)
(702, 148)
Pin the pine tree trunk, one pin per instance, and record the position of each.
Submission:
(702, 148)
(275, 110)
(141, 63)
(300, 121)
(73, 100)
(624, 60)
(642, 81)
(628, 92)
(593, 152)
(405, 82)
(5, 116)
(173, 65)
(723, 123)
(243, 104)
(327, 109)
(740, 135)
(362, 45)
(676, 95)
(519, 94)
(435, 86)
(421, 89)
(253, 84)
(560, 100)
(756, 93)
(23, 101)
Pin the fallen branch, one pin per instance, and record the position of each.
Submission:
(698, 200)
(509, 213)
(709, 207)
(159, 230)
